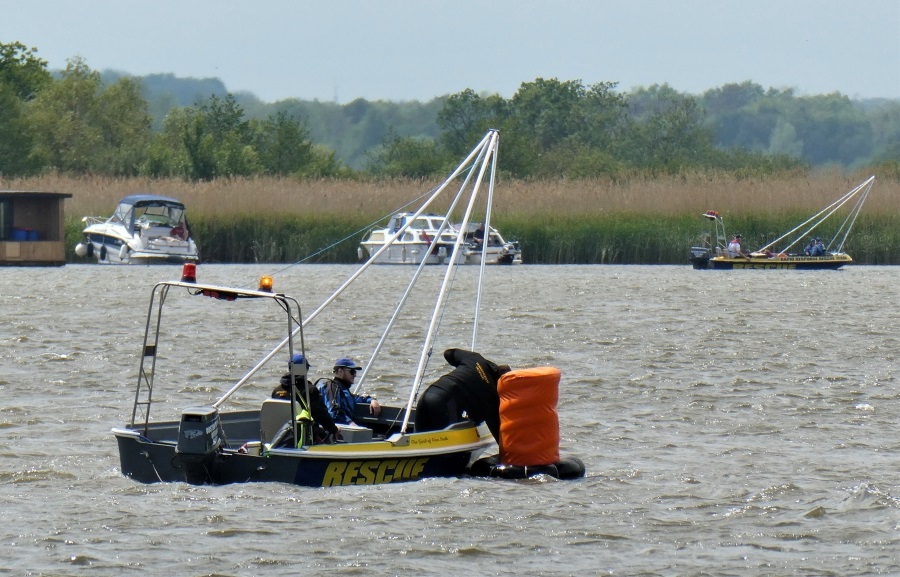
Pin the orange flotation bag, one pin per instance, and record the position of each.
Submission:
(529, 423)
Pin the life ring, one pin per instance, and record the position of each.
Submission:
(565, 469)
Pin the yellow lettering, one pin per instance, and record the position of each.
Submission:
(333, 474)
(382, 476)
(418, 467)
(407, 468)
(350, 473)
(372, 472)
(367, 474)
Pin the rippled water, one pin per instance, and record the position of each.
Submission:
(732, 423)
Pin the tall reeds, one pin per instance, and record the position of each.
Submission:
(636, 220)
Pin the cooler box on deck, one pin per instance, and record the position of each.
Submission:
(355, 434)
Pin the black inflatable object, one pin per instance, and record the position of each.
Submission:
(568, 468)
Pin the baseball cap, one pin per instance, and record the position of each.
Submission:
(299, 359)
(346, 362)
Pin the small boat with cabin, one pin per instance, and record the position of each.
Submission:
(217, 439)
(431, 237)
(144, 229)
(787, 251)
(425, 237)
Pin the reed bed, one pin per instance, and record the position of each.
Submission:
(636, 220)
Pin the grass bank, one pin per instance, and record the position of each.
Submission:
(633, 221)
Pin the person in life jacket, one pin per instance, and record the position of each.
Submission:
(471, 388)
(735, 249)
(341, 402)
(324, 428)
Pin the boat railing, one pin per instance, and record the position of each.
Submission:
(143, 398)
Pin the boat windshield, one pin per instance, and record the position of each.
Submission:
(123, 213)
(158, 215)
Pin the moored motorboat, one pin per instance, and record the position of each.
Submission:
(209, 443)
(144, 229)
(431, 237)
(495, 248)
(784, 252)
(425, 237)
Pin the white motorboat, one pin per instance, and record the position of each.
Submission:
(144, 229)
(425, 237)
(497, 250)
(429, 237)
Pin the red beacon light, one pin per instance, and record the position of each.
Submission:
(265, 284)
(189, 272)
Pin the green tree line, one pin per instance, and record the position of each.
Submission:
(80, 121)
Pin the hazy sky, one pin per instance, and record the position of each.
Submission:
(416, 50)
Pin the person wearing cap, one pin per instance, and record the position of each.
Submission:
(340, 401)
(325, 426)
(471, 388)
(735, 249)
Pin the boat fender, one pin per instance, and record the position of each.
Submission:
(103, 252)
(90, 249)
(123, 252)
(80, 249)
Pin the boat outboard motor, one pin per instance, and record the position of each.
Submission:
(199, 440)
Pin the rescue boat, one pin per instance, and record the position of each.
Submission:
(210, 442)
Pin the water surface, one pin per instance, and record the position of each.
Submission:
(732, 423)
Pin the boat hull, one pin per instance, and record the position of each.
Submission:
(155, 458)
(830, 262)
(410, 253)
(109, 250)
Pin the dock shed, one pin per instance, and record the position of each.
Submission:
(32, 228)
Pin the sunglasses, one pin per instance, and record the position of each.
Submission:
(352, 371)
